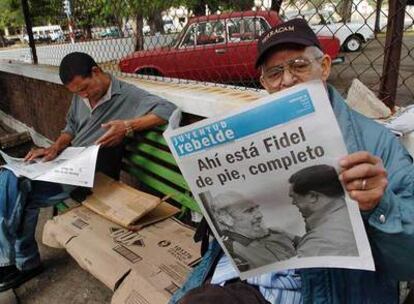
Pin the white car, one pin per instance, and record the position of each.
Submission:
(57, 36)
(351, 35)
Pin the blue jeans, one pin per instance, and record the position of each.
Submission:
(20, 201)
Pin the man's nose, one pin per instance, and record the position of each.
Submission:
(288, 79)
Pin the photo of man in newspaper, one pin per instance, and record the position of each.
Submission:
(239, 222)
(251, 242)
(320, 198)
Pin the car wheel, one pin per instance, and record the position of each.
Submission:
(149, 71)
(353, 44)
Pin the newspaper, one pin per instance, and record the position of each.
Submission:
(402, 122)
(74, 166)
(249, 171)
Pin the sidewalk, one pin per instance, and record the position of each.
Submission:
(62, 281)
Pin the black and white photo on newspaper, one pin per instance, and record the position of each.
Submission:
(266, 179)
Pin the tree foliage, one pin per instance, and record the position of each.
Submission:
(10, 14)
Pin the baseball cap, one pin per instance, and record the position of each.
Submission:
(295, 31)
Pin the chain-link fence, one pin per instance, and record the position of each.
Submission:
(216, 41)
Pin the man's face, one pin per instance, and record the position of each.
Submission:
(286, 68)
(91, 88)
(248, 220)
(306, 203)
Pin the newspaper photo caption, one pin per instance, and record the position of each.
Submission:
(255, 149)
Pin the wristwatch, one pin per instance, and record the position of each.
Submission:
(128, 128)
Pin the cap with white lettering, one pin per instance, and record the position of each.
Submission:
(295, 31)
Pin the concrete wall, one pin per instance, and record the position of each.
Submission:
(34, 95)
(39, 104)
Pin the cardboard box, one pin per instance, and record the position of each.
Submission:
(125, 205)
(151, 264)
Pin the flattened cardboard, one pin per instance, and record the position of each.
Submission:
(134, 289)
(119, 202)
(160, 254)
(159, 213)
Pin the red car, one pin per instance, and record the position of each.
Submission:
(217, 48)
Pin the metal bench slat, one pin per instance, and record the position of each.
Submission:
(154, 151)
(179, 197)
(155, 137)
(159, 170)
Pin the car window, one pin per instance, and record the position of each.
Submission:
(210, 33)
(248, 28)
(189, 37)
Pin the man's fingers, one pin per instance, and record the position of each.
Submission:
(28, 155)
(367, 200)
(357, 158)
(108, 124)
(104, 137)
(109, 142)
(34, 153)
(365, 184)
(49, 156)
(362, 171)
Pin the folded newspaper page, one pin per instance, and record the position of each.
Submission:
(74, 166)
(266, 179)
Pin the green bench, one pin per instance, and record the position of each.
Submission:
(151, 165)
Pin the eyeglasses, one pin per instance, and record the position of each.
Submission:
(296, 66)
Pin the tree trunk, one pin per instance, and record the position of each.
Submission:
(2, 42)
(377, 28)
(88, 31)
(156, 24)
(345, 10)
(200, 9)
(120, 29)
(139, 35)
(245, 5)
(276, 5)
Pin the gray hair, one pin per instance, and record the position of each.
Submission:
(314, 51)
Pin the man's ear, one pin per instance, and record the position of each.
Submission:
(263, 83)
(313, 196)
(225, 218)
(96, 70)
(326, 63)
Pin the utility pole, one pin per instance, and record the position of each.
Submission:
(68, 12)
(393, 43)
(28, 21)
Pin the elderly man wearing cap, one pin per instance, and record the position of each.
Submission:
(378, 174)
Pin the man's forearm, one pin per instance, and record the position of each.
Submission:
(145, 122)
(62, 142)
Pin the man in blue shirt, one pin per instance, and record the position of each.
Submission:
(377, 173)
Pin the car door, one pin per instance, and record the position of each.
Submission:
(243, 34)
(323, 25)
(202, 51)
